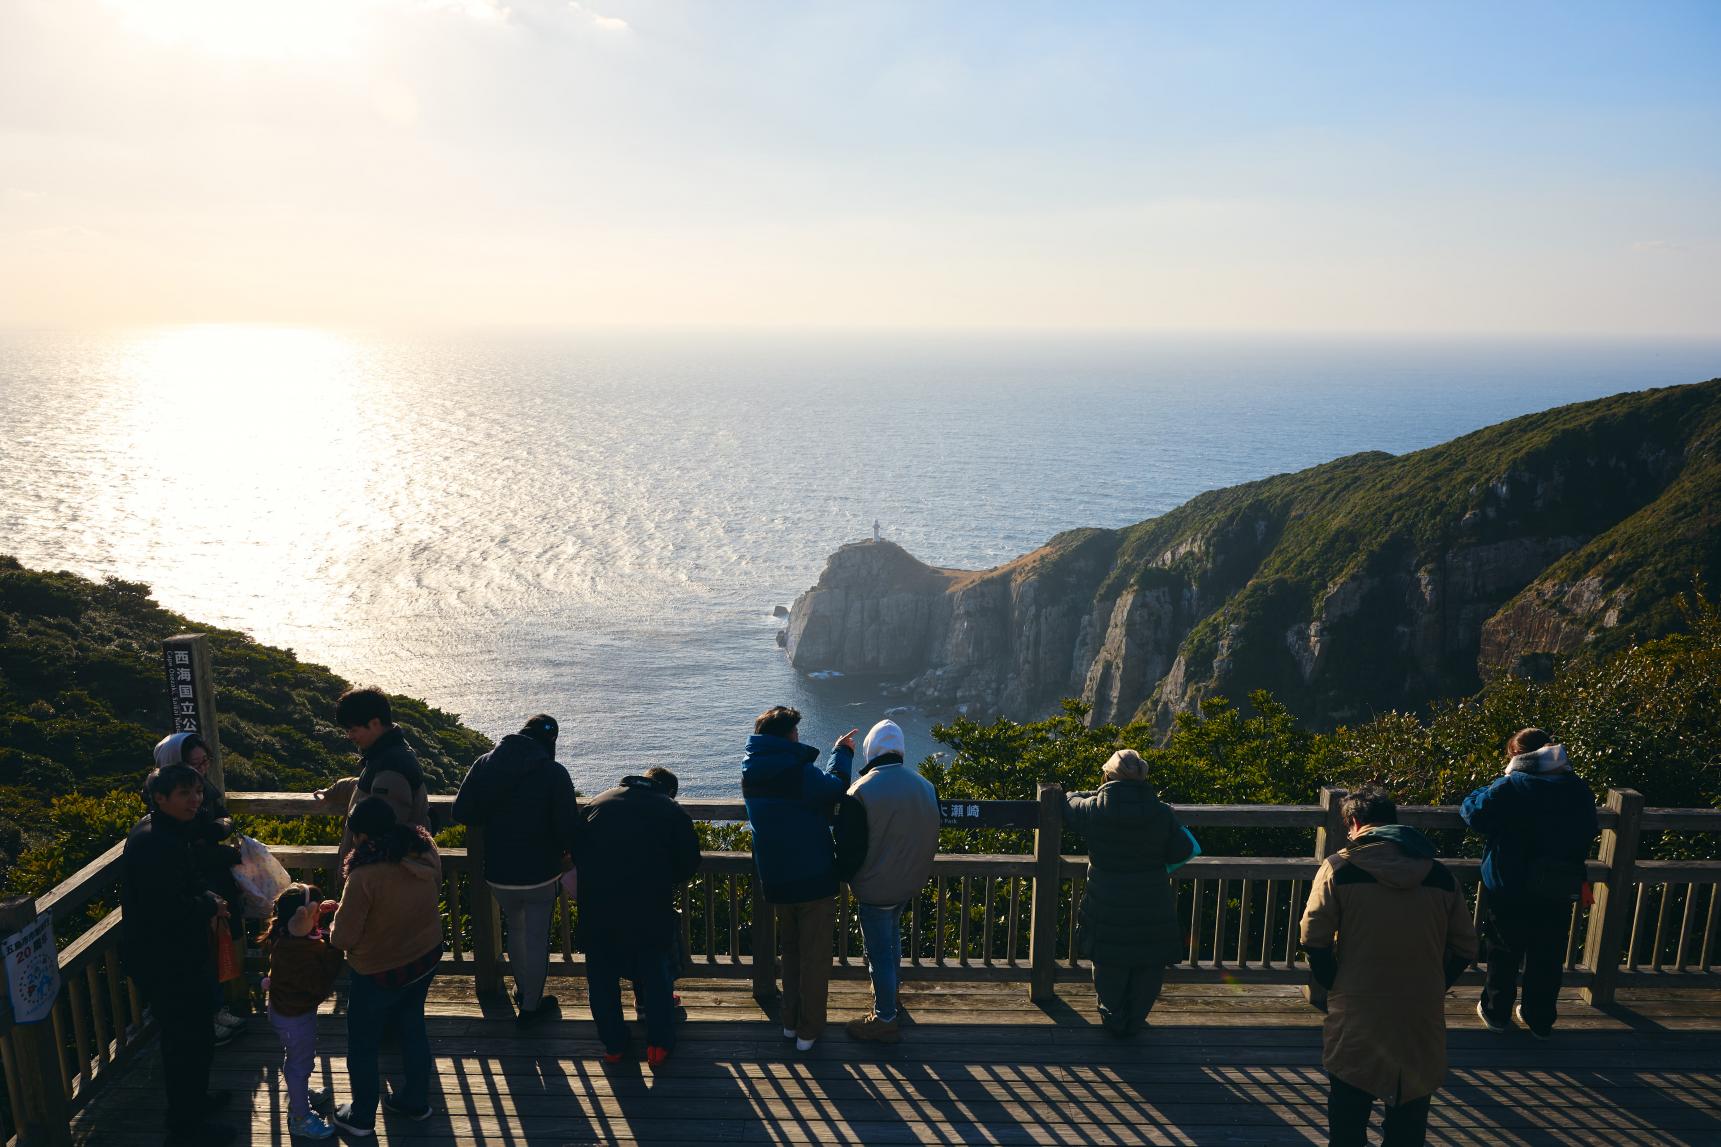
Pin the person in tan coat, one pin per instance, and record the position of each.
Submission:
(1387, 933)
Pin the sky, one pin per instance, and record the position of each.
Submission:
(1537, 169)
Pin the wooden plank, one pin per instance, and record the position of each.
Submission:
(94, 880)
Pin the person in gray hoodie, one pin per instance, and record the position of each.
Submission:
(523, 802)
(887, 834)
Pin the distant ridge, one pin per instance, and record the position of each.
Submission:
(1368, 583)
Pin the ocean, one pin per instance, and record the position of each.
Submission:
(599, 525)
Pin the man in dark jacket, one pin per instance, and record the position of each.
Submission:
(635, 848)
(522, 802)
(790, 807)
(389, 766)
(1128, 926)
(1539, 818)
(165, 944)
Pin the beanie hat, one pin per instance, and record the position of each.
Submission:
(1125, 765)
(541, 727)
(885, 737)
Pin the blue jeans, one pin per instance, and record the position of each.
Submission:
(606, 966)
(371, 1011)
(881, 928)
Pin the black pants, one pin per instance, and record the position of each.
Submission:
(1406, 1125)
(1520, 932)
(1126, 993)
(184, 1011)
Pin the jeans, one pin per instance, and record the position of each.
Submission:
(1528, 933)
(184, 1012)
(299, 1040)
(606, 966)
(1405, 1125)
(881, 929)
(371, 1011)
(807, 932)
(527, 911)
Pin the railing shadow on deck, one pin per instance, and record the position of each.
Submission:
(1000, 918)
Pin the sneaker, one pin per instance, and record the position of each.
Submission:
(656, 1056)
(870, 1029)
(318, 1097)
(805, 1044)
(612, 1057)
(393, 1106)
(1490, 1022)
(308, 1126)
(342, 1118)
(788, 1033)
(547, 1007)
(1539, 1033)
(225, 1018)
(225, 1036)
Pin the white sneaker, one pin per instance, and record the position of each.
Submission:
(226, 1019)
(788, 1033)
(805, 1044)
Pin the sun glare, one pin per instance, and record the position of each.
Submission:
(248, 29)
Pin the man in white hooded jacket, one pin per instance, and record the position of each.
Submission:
(900, 811)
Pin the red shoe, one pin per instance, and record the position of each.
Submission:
(656, 1056)
(612, 1059)
(676, 996)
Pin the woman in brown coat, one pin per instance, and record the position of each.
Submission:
(1387, 933)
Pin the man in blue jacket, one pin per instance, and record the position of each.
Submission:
(1539, 819)
(790, 807)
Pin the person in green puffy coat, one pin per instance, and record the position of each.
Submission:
(1128, 925)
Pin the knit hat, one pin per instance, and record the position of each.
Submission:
(541, 728)
(1125, 765)
(885, 737)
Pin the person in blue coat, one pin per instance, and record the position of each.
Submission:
(791, 805)
(1539, 818)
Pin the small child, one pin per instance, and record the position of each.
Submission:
(302, 971)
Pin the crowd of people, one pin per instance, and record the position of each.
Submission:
(1386, 930)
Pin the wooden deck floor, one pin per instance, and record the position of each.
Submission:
(979, 1065)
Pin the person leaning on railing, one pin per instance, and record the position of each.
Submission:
(1128, 920)
(389, 767)
(1387, 933)
(1540, 818)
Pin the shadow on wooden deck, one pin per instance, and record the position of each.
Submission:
(978, 1064)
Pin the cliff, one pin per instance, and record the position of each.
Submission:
(1366, 583)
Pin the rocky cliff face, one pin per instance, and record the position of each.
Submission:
(1367, 583)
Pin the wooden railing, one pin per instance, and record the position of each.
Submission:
(1004, 917)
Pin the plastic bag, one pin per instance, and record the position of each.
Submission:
(260, 878)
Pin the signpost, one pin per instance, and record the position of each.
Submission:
(32, 984)
(190, 681)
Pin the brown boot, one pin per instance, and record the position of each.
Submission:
(869, 1028)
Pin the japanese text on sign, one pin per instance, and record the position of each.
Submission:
(32, 970)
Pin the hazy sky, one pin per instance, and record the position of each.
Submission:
(1374, 167)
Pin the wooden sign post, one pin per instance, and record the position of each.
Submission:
(191, 694)
(43, 1117)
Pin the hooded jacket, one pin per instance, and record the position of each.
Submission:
(523, 803)
(390, 770)
(213, 822)
(164, 929)
(902, 821)
(390, 913)
(636, 847)
(1387, 933)
(303, 965)
(790, 805)
(1539, 827)
(1129, 911)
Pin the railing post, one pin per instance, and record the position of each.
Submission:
(1043, 922)
(486, 948)
(764, 941)
(43, 1117)
(1611, 913)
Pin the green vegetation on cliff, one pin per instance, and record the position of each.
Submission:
(82, 705)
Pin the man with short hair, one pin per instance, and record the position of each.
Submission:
(165, 943)
(895, 811)
(389, 766)
(1387, 933)
(522, 801)
(790, 806)
(636, 847)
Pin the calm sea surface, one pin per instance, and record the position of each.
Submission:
(599, 526)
